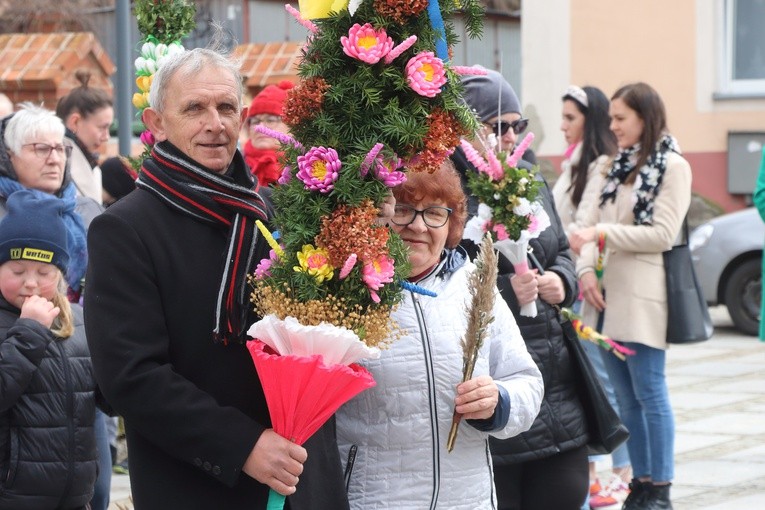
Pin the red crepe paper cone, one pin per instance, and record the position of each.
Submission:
(302, 392)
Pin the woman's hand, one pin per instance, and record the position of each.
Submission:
(588, 283)
(525, 286)
(477, 398)
(551, 288)
(582, 237)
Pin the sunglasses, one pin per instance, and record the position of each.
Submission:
(501, 126)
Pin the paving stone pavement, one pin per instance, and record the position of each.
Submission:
(717, 390)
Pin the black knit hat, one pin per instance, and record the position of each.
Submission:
(116, 177)
(34, 229)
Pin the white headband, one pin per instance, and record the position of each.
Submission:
(576, 93)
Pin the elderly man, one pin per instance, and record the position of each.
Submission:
(167, 310)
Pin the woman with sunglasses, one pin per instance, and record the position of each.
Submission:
(393, 437)
(546, 467)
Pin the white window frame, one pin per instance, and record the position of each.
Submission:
(731, 87)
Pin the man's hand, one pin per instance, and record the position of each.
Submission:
(276, 462)
(525, 287)
(589, 286)
(477, 398)
(551, 288)
(40, 309)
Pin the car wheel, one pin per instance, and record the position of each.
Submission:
(743, 296)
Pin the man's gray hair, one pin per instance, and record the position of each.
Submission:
(188, 63)
(30, 122)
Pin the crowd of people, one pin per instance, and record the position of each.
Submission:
(111, 284)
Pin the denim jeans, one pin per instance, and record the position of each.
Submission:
(103, 487)
(641, 390)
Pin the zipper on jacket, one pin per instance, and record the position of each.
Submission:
(428, 354)
(69, 389)
(349, 466)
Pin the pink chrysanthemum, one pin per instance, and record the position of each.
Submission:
(425, 74)
(318, 169)
(377, 273)
(263, 269)
(366, 44)
(501, 231)
(388, 173)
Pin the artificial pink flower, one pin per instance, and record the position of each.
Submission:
(377, 273)
(348, 266)
(501, 232)
(263, 269)
(286, 175)
(401, 48)
(425, 74)
(318, 169)
(366, 44)
(533, 223)
(370, 158)
(513, 159)
(388, 173)
(147, 138)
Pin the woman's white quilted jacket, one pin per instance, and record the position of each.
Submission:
(392, 437)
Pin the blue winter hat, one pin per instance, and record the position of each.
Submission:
(34, 229)
(490, 95)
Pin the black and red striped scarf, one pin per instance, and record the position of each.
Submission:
(227, 201)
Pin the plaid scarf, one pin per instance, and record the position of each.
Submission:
(650, 177)
(229, 203)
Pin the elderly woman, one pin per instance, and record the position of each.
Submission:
(34, 155)
(394, 435)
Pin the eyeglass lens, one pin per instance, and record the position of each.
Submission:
(518, 126)
(43, 150)
(433, 216)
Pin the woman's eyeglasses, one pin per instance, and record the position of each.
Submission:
(518, 126)
(43, 150)
(263, 119)
(434, 216)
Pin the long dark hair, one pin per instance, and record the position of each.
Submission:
(645, 101)
(597, 139)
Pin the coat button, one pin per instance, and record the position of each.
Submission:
(216, 470)
(198, 462)
(207, 466)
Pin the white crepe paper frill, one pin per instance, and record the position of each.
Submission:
(475, 227)
(515, 251)
(336, 344)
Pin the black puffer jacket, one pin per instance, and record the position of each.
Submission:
(560, 425)
(47, 409)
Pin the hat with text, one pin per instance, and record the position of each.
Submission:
(34, 229)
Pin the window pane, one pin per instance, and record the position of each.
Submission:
(749, 50)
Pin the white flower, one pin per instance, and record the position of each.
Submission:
(147, 50)
(140, 64)
(484, 212)
(523, 208)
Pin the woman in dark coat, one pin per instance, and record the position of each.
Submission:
(546, 467)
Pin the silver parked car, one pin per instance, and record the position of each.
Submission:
(727, 256)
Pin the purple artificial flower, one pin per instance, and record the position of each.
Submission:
(318, 169)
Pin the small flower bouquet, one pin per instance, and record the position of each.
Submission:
(509, 208)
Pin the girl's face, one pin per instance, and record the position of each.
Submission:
(572, 122)
(625, 123)
(20, 279)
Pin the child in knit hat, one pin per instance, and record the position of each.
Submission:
(47, 403)
(261, 151)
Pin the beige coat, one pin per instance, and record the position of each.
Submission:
(633, 276)
(87, 180)
(573, 218)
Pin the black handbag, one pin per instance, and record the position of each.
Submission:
(688, 318)
(604, 426)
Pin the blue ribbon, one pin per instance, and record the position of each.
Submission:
(437, 22)
(407, 285)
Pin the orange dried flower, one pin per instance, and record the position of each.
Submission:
(400, 10)
(304, 101)
(444, 134)
(352, 230)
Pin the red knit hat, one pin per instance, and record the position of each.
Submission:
(270, 100)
